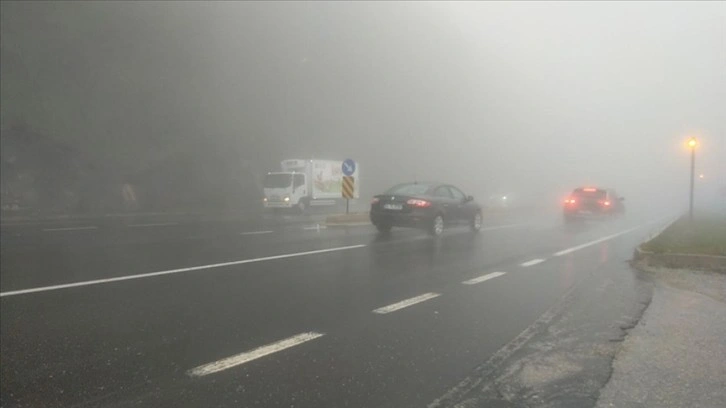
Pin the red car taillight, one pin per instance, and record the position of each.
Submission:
(418, 203)
(375, 200)
(570, 201)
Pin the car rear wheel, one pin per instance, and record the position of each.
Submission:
(476, 222)
(384, 228)
(437, 225)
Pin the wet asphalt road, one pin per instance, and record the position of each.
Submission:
(278, 314)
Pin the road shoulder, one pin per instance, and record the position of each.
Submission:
(565, 358)
(675, 356)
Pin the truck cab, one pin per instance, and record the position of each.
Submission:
(286, 190)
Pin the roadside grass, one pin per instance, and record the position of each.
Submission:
(706, 235)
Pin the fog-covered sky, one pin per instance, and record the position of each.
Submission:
(493, 96)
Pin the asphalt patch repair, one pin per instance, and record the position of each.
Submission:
(565, 358)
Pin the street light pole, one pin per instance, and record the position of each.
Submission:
(692, 145)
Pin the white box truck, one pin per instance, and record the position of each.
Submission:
(305, 183)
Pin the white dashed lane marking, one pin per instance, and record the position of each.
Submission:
(256, 232)
(246, 357)
(406, 303)
(483, 278)
(532, 262)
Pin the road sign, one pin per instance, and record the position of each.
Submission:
(349, 167)
(348, 187)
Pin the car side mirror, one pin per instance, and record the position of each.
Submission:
(468, 198)
(622, 198)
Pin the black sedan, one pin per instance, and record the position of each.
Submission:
(429, 206)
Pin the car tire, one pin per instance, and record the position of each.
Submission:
(437, 225)
(476, 222)
(384, 228)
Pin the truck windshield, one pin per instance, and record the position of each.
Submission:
(278, 180)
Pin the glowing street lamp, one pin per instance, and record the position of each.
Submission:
(692, 143)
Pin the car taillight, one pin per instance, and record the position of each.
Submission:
(570, 201)
(375, 200)
(418, 203)
(606, 203)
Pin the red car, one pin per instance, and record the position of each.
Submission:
(592, 203)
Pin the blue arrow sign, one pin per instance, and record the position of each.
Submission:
(348, 167)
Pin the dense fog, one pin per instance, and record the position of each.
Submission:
(200, 100)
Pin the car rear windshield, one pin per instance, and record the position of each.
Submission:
(590, 193)
(409, 189)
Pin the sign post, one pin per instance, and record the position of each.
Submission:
(348, 182)
(692, 143)
(348, 190)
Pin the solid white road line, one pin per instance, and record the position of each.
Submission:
(256, 232)
(173, 271)
(248, 356)
(532, 262)
(158, 224)
(406, 303)
(91, 227)
(348, 224)
(315, 228)
(483, 278)
(497, 227)
(668, 222)
(597, 241)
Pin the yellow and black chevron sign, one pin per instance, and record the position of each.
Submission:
(348, 186)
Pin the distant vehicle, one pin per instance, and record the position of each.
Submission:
(429, 206)
(592, 203)
(305, 183)
(499, 201)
